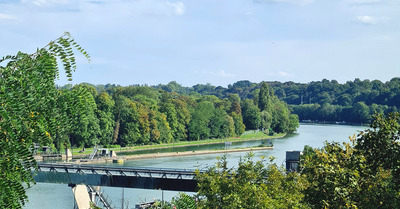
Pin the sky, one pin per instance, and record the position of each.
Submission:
(152, 42)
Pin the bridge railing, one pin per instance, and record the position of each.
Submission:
(117, 170)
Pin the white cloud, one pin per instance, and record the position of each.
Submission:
(301, 2)
(178, 7)
(284, 74)
(136, 8)
(371, 20)
(223, 74)
(7, 17)
(281, 74)
(45, 3)
(220, 73)
(381, 38)
(363, 1)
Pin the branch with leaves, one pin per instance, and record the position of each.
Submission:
(28, 98)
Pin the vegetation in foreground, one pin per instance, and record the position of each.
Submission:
(363, 173)
(30, 111)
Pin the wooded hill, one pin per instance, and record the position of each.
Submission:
(354, 101)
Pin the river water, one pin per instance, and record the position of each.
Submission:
(48, 196)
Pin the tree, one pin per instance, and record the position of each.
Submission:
(252, 185)
(280, 117)
(251, 115)
(360, 113)
(82, 114)
(164, 129)
(238, 123)
(380, 145)
(266, 120)
(199, 124)
(339, 177)
(293, 123)
(105, 108)
(183, 117)
(221, 124)
(28, 99)
(264, 98)
(178, 116)
(181, 201)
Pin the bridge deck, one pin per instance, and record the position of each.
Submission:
(136, 177)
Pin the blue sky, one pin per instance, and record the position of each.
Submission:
(213, 41)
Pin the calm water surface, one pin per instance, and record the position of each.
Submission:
(48, 196)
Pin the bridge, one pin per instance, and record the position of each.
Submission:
(114, 176)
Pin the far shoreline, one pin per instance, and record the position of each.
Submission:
(81, 158)
(169, 154)
(166, 146)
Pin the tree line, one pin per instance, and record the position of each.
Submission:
(139, 115)
(354, 101)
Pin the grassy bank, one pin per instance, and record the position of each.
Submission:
(247, 136)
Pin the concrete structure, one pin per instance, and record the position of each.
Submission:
(81, 196)
(143, 178)
(68, 154)
(292, 160)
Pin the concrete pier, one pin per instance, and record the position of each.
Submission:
(81, 196)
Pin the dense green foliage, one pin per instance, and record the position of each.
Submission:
(249, 105)
(253, 184)
(32, 110)
(354, 101)
(139, 115)
(181, 201)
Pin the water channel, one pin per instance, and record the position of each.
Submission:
(46, 196)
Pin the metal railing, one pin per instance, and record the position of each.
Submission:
(122, 171)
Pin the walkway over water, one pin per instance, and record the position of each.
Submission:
(114, 176)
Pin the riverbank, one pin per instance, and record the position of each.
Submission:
(246, 137)
(169, 154)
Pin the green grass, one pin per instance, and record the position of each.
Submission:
(246, 136)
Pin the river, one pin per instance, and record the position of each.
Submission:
(48, 196)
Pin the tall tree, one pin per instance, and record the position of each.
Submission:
(199, 124)
(280, 117)
(238, 123)
(105, 108)
(221, 124)
(264, 98)
(85, 126)
(251, 115)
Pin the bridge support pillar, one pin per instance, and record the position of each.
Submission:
(68, 154)
(81, 196)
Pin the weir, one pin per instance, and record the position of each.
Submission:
(143, 178)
